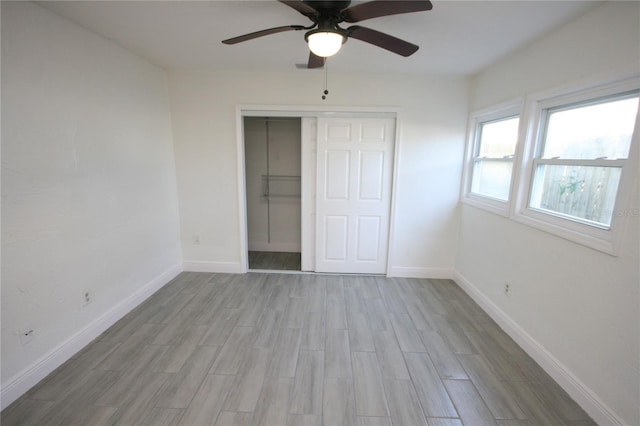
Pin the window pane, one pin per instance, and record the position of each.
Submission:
(582, 192)
(492, 178)
(593, 131)
(498, 138)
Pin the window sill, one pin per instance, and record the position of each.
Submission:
(489, 204)
(603, 240)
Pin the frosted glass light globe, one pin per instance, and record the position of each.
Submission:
(325, 44)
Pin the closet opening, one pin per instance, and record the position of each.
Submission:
(272, 147)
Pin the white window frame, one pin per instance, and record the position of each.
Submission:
(476, 119)
(608, 239)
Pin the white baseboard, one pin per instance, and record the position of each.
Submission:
(581, 393)
(29, 377)
(213, 267)
(414, 272)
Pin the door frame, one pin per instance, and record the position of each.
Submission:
(308, 111)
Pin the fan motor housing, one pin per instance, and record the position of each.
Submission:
(328, 6)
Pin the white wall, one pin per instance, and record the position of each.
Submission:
(432, 125)
(88, 188)
(579, 305)
(88, 192)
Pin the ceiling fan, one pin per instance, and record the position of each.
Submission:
(325, 36)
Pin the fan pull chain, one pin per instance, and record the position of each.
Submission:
(326, 76)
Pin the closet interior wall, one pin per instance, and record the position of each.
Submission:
(273, 169)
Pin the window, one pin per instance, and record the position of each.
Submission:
(567, 165)
(493, 161)
(579, 162)
(581, 155)
(491, 149)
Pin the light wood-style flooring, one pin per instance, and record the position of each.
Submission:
(292, 349)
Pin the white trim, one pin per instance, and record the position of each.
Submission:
(309, 136)
(317, 111)
(293, 111)
(394, 191)
(213, 267)
(242, 193)
(501, 111)
(418, 272)
(606, 241)
(489, 204)
(30, 376)
(581, 393)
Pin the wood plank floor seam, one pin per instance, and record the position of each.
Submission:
(291, 349)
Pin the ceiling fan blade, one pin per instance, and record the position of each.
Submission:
(377, 8)
(315, 61)
(301, 7)
(262, 33)
(386, 41)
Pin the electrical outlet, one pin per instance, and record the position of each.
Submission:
(26, 334)
(196, 239)
(507, 289)
(87, 297)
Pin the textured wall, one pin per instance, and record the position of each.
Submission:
(432, 123)
(580, 305)
(88, 181)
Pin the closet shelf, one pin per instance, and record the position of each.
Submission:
(281, 177)
(281, 186)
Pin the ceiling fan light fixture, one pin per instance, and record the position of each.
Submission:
(324, 43)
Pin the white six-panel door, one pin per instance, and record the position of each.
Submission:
(353, 194)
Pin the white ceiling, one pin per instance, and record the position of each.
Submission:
(456, 37)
